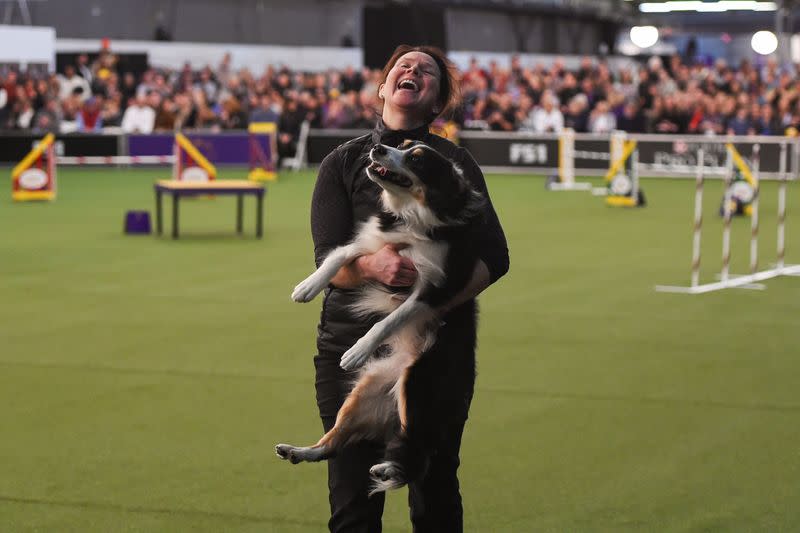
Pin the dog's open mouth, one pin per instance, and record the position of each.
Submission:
(387, 175)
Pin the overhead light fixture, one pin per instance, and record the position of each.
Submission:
(764, 42)
(644, 36)
(706, 7)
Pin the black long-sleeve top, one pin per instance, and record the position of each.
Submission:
(344, 197)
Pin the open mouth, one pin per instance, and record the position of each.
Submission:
(409, 85)
(387, 175)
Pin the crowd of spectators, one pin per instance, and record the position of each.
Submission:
(660, 96)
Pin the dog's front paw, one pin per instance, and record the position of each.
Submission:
(307, 289)
(357, 355)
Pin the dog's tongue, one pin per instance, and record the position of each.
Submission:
(382, 171)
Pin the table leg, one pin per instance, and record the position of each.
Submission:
(239, 209)
(175, 215)
(259, 215)
(159, 226)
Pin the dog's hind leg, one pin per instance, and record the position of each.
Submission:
(367, 413)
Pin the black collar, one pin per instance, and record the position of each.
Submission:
(383, 135)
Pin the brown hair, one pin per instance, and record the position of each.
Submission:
(449, 88)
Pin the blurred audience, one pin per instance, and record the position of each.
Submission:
(661, 95)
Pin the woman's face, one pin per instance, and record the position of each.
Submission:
(412, 85)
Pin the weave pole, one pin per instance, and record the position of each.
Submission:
(753, 279)
(754, 206)
(726, 220)
(782, 179)
(698, 218)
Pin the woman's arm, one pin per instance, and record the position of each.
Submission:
(489, 236)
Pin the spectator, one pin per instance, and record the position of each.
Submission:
(47, 119)
(769, 123)
(111, 113)
(83, 68)
(577, 114)
(165, 115)
(22, 116)
(128, 87)
(10, 87)
(632, 119)
(265, 111)
(548, 118)
(139, 117)
(289, 128)
(70, 81)
(89, 119)
(185, 112)
(351, 80)
(3, 105)
(601, 119)
(502, 118)
(232, 117)
(740, 123)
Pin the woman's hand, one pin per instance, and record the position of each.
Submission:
(387, 266)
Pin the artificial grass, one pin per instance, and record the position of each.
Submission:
(144, 381)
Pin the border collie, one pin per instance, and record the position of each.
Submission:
(404, 398)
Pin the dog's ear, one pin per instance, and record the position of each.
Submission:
(447, 191)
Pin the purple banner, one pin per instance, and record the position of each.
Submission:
(219, 149)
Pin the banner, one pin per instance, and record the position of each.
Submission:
(219, 148)
(14, 147)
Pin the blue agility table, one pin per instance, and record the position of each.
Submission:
(239, 188)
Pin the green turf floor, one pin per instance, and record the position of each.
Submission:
(144, 382)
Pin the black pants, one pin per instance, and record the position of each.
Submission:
(435, 501)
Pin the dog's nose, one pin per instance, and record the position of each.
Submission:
(379, 149)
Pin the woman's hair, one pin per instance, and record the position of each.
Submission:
(449, 88)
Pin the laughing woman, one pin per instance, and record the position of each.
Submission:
(417, 85)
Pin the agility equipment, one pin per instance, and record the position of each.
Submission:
(622, 178)
(726, 280)
(564, 179)
(740, 180)
(263, 146)
(34, 178)
(190, 164)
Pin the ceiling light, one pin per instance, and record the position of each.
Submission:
(644, 36)
(764, 42)
(706, 7)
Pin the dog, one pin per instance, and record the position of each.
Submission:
(404, 399)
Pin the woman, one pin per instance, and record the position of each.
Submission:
(344, 197)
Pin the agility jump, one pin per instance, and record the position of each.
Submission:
(622, 179)
(34, 178)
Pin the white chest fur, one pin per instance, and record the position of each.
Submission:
(427, 255)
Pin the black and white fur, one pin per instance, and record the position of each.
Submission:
(402, 399)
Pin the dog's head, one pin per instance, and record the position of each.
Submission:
(420, 182)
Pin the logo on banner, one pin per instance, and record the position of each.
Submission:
(527, 153)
